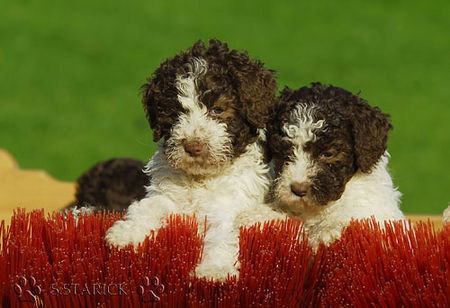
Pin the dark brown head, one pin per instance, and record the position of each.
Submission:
(208, 104)
(111, 185)
(320, 137)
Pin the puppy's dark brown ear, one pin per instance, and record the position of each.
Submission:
(149, 92)
(256, 88)
(370, 129)
(159, 93)
(159, 96)
(260, 88)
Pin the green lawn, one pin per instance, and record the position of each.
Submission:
(70, 73)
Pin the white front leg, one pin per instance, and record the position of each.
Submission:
(220, 253)
(140, 219)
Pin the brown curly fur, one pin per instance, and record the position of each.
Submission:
(355, 134)
(111, 185)
(241, 86)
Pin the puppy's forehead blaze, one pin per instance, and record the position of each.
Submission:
(198, 87)
(186, 84)
(302, 126)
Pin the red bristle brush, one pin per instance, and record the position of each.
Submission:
(394, 266)
(64, 263)
(368, 266)
(273, 265)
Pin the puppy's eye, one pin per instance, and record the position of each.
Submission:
(326, 155)
(217, 110)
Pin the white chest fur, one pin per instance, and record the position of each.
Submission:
(365, 195)
(243, 182)
(230, 199)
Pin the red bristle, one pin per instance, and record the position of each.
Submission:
(394, 266)
(370, 265)
(77, 253)
(274, 263)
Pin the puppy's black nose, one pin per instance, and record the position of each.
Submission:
(194, 148)
(300, 189)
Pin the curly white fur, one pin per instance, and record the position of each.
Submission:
(230, 200)
(228, 191)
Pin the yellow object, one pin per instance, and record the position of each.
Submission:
(30, 189)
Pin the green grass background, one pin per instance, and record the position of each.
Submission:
(70, 73)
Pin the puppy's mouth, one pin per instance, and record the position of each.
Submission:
(197, 158)
(299, 196)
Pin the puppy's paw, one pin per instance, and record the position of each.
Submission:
(216, 273)
(123, 233)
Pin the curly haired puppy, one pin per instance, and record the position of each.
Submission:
(111, 185)
(210, 106)
(329, 150)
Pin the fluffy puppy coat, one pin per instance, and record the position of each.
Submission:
(111, 185)
(329, 151)
(210, 106)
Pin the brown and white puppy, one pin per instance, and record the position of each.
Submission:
(210, 106)
(329, 152)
